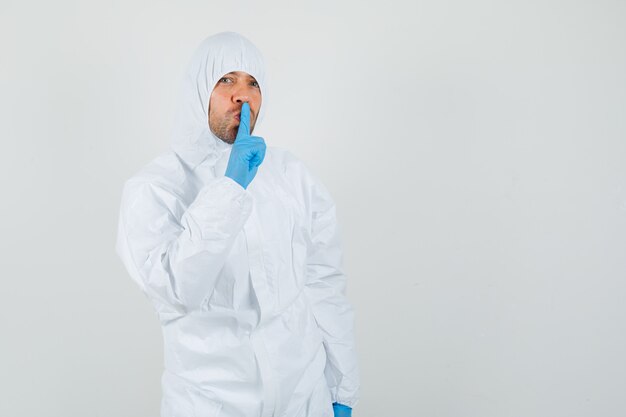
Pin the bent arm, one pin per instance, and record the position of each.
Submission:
(176, 259)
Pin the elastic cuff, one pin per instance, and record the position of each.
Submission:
(342, 410)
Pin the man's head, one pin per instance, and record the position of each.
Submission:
(219, 77)
(227, 97)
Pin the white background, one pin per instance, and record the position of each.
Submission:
(476, 152)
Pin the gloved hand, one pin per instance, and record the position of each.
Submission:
(247, 153)
(342, 410)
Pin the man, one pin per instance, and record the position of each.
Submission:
(236, 245)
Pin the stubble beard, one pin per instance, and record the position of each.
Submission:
(223, 130)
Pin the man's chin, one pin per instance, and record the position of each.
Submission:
(230, 139)
(229, 136)
(227, 140)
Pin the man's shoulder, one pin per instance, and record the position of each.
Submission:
(297, 171)
(281, 156)
(286, 161)
(165, 172)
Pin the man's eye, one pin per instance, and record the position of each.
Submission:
(224, 79)
(255, 84)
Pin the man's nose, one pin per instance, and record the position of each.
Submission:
(241, 96)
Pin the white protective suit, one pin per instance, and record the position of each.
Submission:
(247, 283)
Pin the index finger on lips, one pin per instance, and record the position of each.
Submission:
(244, 120)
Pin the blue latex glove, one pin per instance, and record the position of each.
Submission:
(247, 153)
(342, 410)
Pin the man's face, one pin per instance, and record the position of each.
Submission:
(227, 97)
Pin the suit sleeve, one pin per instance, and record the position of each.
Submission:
(175, 253)
(326, 288)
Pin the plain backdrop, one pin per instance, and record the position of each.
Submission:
(476, 151)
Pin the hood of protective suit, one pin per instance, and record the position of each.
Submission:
(217, 55)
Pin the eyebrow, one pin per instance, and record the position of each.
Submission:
(232, 73)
